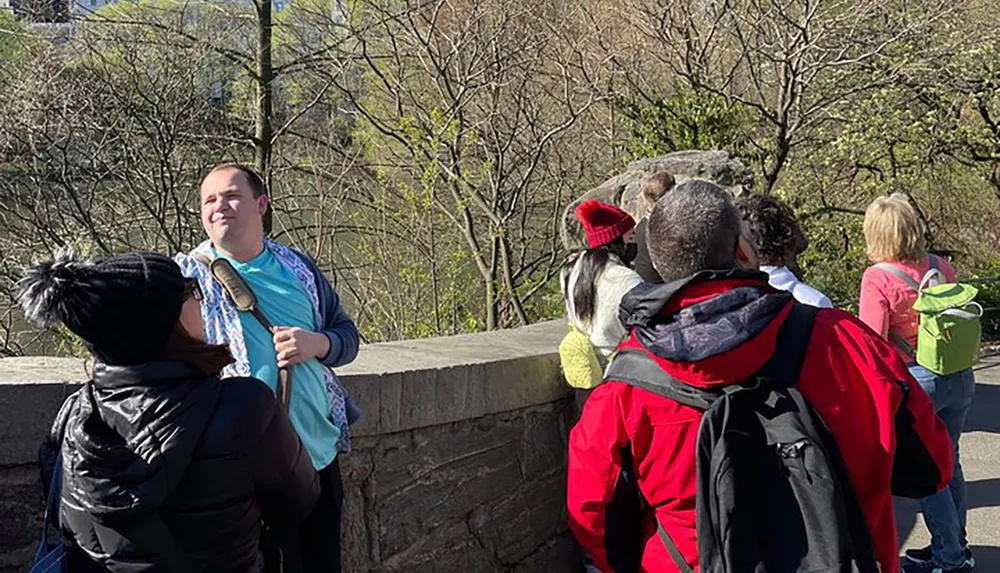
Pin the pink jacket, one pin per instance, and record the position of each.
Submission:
(887, 302)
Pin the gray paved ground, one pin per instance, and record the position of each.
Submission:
(980, 449)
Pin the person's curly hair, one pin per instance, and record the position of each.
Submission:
(773, 228)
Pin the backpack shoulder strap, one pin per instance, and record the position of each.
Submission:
(897, 272)
(934, 276)
(898, 340)
(672, 549)
(635, 367)
(794, 336)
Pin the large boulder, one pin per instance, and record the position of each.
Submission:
(624, 189)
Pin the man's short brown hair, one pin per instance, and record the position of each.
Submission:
(254, 179)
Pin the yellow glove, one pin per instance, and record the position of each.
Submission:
(579, 361)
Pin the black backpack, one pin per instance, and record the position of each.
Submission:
(774, 494)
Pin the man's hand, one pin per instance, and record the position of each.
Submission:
(296, 345)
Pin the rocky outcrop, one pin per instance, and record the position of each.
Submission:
(623, 189)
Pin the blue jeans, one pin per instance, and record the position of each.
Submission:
(944, 512)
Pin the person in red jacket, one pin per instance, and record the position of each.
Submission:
(855, 380)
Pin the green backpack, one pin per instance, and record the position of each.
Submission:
(950, 332)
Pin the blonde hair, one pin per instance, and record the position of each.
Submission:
(893, 231)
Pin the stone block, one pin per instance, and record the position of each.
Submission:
(26, 414)
(519, 524)
(364, 389)
(557, 555)
(451, 547)
(543, 443)
(429, 397)
(358, 552)
(356, 467)
(514, 384)
(390, 398)
(21, 508)
(442, 477)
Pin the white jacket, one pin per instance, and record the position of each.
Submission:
(605, 330)
(782, 279)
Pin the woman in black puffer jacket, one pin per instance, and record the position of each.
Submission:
(165, 466)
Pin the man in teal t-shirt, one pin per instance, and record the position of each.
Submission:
(283, 301)
(311, 334)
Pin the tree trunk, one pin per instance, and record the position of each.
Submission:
(435, 295)
(492, 300)
(265, 100)
(771, 173)
(508, 280)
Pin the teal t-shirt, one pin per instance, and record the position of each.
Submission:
(285, 302)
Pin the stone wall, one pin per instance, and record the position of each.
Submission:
(458, 462)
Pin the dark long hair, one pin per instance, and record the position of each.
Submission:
(593, 264)
(209, 358)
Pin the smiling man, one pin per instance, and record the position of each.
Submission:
(312, 335)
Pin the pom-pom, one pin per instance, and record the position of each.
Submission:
(586, 210)
(48, 290)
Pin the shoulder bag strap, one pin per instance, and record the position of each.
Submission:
(933, 271)
(226, 275)
(152, 532)
(898, 340)
(201, 258)
(52, 509)
(897, 272)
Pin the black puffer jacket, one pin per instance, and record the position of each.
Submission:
(163, 465)
(643, 264)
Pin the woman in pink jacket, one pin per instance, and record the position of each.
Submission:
(895, 240)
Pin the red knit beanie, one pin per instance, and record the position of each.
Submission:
(603, 223)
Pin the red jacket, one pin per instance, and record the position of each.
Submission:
(850, 376)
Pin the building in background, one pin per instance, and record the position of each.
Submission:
(40, 11)
(54, 11)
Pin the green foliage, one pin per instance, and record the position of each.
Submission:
(835, 259)
(927, 137)
(989, 299)
(18, 43)
(421, 137)
(11, 33)
(684, 120)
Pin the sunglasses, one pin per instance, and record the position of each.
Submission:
(192, 289)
